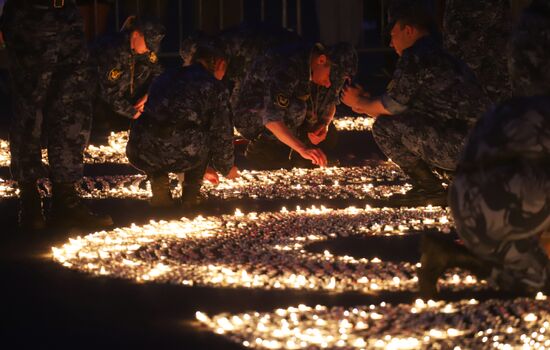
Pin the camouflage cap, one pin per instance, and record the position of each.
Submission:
(529, 51)
(344, 58)
(153, 31)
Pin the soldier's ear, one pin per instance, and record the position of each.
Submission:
(322, 59)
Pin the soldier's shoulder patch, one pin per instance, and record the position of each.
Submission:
(282, 100)
(114, 74)
(153, 58)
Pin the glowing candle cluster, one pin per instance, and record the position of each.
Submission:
(326, 183)
(266, 250)
(115, 150)
(468, 324)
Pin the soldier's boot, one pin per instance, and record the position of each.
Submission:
(440, 254)
(68, 210)
(427, 189)
(31, 216)
(190, 195)
(160, 187)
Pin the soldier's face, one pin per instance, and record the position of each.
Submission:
(137, 43)
(402, 37)
(320, 71)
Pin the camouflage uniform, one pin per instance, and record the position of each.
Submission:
(344, 67)
(477, 32)
(500, 198)
(51, 89)
(123, 76)
(276, 89)
(434, 100)
(186, 123)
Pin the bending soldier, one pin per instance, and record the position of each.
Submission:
(125, 65)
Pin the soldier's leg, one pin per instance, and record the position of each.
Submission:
(499, 215)
(192, 183)
(144, 154)
(418, 145)
(68, 122)
(30, 69)
(407, 139)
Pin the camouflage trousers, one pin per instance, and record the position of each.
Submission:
(155, 148)
(408, 138)
(499, 213)
(51, 90)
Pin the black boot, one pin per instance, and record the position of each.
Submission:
(439, 254)
(190, 195)
(160, 187)
(427, 189)
(68, 210)
(31, 216)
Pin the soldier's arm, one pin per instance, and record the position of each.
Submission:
(362, 103)
(281, 131)
(112, 87)
(221, 136)
(404, 85)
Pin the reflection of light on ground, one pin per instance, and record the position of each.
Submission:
(494, 324)
(253, 250)
(115, 150)
(326, 183)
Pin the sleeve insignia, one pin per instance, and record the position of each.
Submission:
(282, 100)
(153, 57)
(114, 74)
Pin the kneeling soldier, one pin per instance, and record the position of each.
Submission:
(186, 125)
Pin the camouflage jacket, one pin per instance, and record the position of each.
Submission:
(277, 89)
(188, 108)
(123, 77)
(519, 129)
(430, 82)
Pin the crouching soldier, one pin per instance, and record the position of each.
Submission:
(431, 104)
(186, 125)
(500, 197)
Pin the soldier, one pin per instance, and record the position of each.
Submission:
(477, 32)
(318, 127)
(500, 197)
(428, 109)
(125, 65)
(185, 126)
(48, 54)
(272, 103)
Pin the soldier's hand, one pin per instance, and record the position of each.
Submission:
(211, 176)
(316, 155)
(318, 135)
(137, 114)
(351, 95)
(233, 173)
